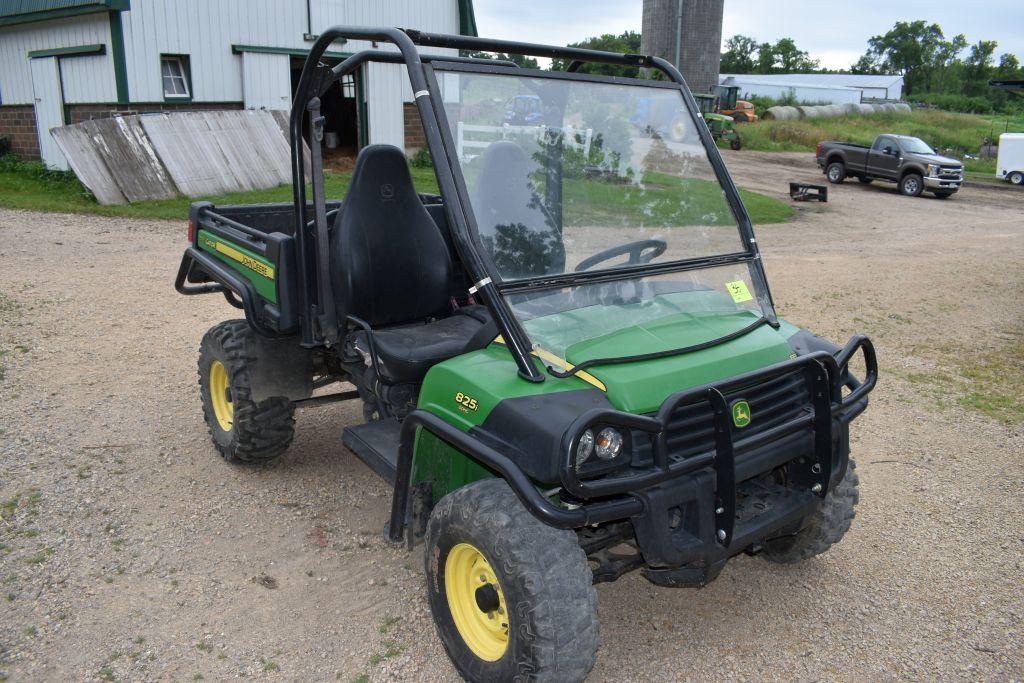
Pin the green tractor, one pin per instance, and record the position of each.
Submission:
(722, 127)
(569, 363)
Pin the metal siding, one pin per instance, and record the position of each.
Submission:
(17, 41)
(384, 104)
(266, 81)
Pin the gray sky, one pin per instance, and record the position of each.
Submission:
(834, 32)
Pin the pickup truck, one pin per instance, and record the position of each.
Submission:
(907, 161)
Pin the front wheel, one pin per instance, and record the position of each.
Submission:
(835, 172)
(823, 528)
(736, 143)
(512, 598)
(242, 429)
(911, 185)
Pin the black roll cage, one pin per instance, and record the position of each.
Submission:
(318, 322)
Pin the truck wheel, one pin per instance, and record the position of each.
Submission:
(823, 528)
(835, 172)
(511, 596)
(1017, 178)
(243, 430)
(864, 180)
(911, 185)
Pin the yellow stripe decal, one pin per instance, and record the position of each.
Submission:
(247, 261)
(558, 360)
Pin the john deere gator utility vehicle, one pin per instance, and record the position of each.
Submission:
(569, 361)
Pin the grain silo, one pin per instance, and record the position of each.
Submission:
(687, 33)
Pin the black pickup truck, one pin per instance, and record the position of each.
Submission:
(901, 159)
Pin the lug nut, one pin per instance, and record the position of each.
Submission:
(719, 511)
(721, 534)
(816, 488)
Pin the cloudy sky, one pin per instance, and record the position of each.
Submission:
(834, 32)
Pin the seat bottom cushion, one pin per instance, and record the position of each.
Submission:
(405, 353)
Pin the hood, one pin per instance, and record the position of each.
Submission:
(642, 386)
(938, 159)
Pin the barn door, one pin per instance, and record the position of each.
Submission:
(49, 105)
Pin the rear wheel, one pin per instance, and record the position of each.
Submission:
(835, 172)
(911, 185)
(736, 142)
(823, 528)
(511, 597)
(1017, 178)
(243, 430)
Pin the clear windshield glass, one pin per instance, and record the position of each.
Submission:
(915, 146)
(567, 176)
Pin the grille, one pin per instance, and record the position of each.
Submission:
(950, 172)
(690, 429)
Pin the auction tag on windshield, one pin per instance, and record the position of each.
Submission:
(739, 292)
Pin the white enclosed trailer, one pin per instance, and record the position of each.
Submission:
(1010, 162)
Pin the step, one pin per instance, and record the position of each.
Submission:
(376, 444)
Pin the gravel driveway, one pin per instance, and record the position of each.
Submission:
(129, 550)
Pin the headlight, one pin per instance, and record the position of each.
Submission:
(608, 444)
(933, 170)
(584, 448)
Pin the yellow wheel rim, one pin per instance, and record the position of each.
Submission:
(220, 396)
(476, 602)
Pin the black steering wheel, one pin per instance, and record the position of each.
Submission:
(641, 251)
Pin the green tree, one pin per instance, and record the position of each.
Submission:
(914, 49)
(977, 68)
(738, 57)
(519, 60)
(627, 42)
(1009, 67)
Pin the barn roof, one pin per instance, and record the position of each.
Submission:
(27, 11)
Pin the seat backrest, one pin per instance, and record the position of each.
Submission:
(514, 226)
(390, 263)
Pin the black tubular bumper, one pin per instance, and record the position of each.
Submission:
(722, 508)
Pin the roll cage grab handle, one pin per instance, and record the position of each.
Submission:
(323, 327)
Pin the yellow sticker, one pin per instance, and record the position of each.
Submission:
(739, 292)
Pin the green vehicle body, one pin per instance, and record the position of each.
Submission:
(722, 127)
(489, 377)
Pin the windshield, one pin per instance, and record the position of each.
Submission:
(570, 176)
(915, 146)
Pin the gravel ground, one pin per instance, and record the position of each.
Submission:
(131, 551)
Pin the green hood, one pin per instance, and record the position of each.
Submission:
(642, 386)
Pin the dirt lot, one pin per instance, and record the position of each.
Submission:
(131, 551)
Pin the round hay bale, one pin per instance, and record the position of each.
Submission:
(832, 110)
(809, 112)
(851, 108)
(780, 113)
(902, 107)
(867, 109)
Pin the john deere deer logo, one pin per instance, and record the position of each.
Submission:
(741, 413)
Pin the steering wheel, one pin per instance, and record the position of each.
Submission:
(641, 251)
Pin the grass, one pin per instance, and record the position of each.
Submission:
(942, 130)
(25, 186)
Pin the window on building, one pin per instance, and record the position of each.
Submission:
(175, 72)
(348, 86)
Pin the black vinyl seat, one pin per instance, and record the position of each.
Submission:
(394, 270)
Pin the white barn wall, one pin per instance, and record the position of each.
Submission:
(85, 83)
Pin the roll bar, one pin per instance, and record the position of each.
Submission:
(318, 322)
